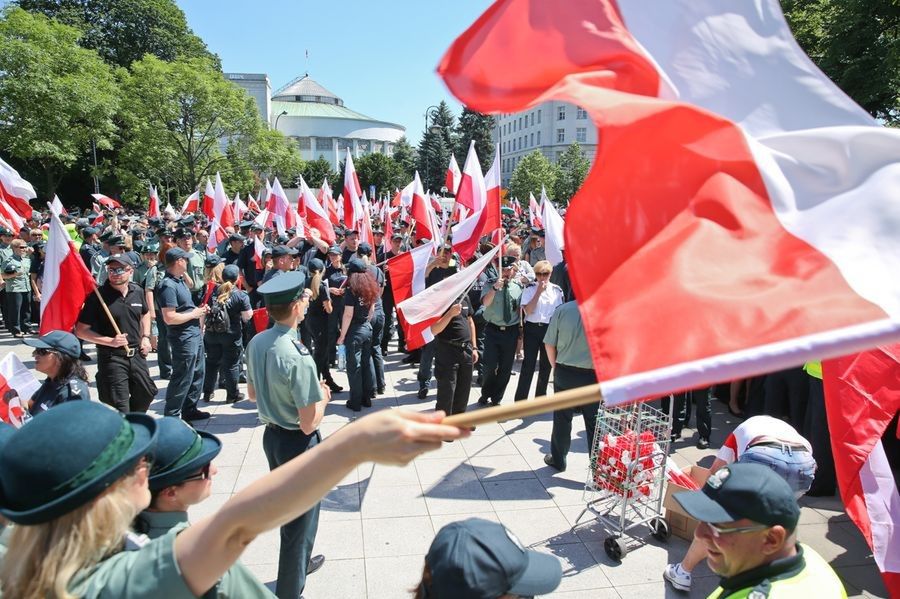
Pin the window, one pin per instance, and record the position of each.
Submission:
(532, 140)
(581, 134)
(539, 117)
(532, 118)
(560, 113)
(581, 114)
(304, 143)
(324, 143)
(363, 146)
(539, 134)
(560, 136)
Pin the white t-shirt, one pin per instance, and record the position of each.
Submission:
(758, 426)
(546, 304)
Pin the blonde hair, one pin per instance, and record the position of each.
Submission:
(315, 285)
(225, 290)
(214, 273)
(543, 265)
(45, 557)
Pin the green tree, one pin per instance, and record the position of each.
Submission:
(381, 171)
(477, 126)
(316, 171)
(435, 147)
(406, 157)
(56, 98)
(178, 115)
(857, 44)
(532, 172)
(260, 153)
(123, 31)
(573, 169)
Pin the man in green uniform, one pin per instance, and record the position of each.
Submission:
(16, 271)
(748, 526)
(501, 299)
(283, 381)
(568, 353)
(196, 264)
(6, 237)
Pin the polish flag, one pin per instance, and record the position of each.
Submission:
(169, 211)
(756, 232)
(862, 396)
(99, 218)
(454, 177)
(217, 235)
(66, 280)
(316, 216)
(56, 206)
(426, 220)
(471, 190)
(238, 208)
(364, 225)
(208, 204)
(326, 200)
(153, 208)
(15, 376)
(534, 212)
(106, 201)
(221, 205)
(14, 220)
(407, 280)
(280, 209)
(352, 193)
(191, 204)
(554, 242)
(263, 219)
(388, 227)
(252, 204)
(15, 190)
(424, 308)
(468, 232)
(258, 248)
(395, 201)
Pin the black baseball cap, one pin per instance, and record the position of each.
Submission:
(364, 249)
(508, 261)
(739, 491)
(176, 253)
(477, 558)
(123, 259)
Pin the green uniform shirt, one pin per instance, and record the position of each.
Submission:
(283, 374)
(566, 333)
(5, 252)
(195, 269)
(237, 580)
(22, 266)
(140, 273)
(149, 572)
(496, 314)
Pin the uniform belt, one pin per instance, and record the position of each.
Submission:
(779, 444)
(281, 429)
(460, 344)
(128, 352)
(502, 327)
(537, 324)
(575, 368)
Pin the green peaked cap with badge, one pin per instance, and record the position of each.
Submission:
(283, 289)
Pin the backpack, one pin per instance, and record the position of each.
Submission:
(217, 320)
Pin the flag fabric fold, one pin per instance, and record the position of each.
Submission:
(756, 232)
(106, 201)
(352, 194)
(454, 177)
(15, 377)
(15, 190)
(191, 204)
(553, 230)
(66, 280)
(316, 216)
(153, 208)
(208, 204)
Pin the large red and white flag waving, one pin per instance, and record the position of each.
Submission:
(221, 206)
(553, 230)
(352, 194)
(106, 201)
(316, 216)
(56, 206)
(486, 221)
(66, 280)
(153, 208)
(10, 217)
(758, 230)
(862, 396)
(424, 308)
(279, 209)
(15, 190)
(472, 193)
(238, 207)
(191, 204)
(408, 279)
(454, 177)
(208, 204)
(534, 212)
(326, 200)
(421, 211)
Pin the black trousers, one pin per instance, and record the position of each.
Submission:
(499, 355)
(568, 377)
(375, 352)
(388, 331)
(479, 321)
(297, 536)
(223, 362)
(124, 383)
(360, 371)
(816, 431)
(318, 328)
(681, 413)
(163, 352)
(18, 311)
(453, 371)
(786, 394)
(533, 346)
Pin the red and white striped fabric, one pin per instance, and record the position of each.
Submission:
(208, 204)
(12, 220)
(258, 249)
(252, 204)
(387, 225)
(422, 309)
(472, 193)
(66, 280)
(15, 190)
(408, 279)
(15, 375)
(316, 217)
(191, 204)
(217, 235)
(279, 209)
(153, 209)
(756, 231)
(221, 206)
(554, 229)
(421, 211)
(56, 206)
(106, 201)
(326, 200)
(238, 207)
(862, 396)
(454, 177)
(364, 224)
(352, 193)
(534, 212)
(485, 221)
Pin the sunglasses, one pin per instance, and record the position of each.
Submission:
(43, 351)
(542, 274)
(117, 271)
(202, 475)
(718, 531)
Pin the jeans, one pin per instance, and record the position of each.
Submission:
(18, 311)
(796, 466)
(188, 369)
(499, 355)
(426, 364)
(533, 346)
(377, 356)
(299, 535)
(566, 378)
(223, 359)
(360, 372)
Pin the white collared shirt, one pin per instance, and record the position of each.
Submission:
(546, 304)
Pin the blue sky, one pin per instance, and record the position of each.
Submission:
(379, 56)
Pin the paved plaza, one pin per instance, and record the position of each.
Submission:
(377, 524)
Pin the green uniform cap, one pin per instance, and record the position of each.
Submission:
(283, 289)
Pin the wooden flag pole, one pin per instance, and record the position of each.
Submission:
(571, 398)
(108, 313)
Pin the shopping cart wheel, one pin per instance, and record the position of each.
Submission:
(660, 530)
(615, 548)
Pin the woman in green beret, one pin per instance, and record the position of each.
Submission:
(72, 492)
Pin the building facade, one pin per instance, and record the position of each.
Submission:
(548, 128)
(318, 121)
(257, 85)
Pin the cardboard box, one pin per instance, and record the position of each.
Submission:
(680, 523)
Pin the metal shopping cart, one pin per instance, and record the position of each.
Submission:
(625, 485)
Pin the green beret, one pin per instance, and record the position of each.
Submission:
(283, 288)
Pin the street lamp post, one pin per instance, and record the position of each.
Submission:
(283, 113)
(431, 112)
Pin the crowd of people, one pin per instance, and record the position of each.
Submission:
(217, 315)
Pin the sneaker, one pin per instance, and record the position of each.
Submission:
(235, 398)
(423, 392)
(702, 443)
(335, 388)
(678, 577)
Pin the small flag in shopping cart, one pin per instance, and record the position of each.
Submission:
(675, 475)
(17, 385)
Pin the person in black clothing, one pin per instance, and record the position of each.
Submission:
(387, 297)
(351, 244)
(123, 378)
(89, 247)
(439, 268)
(247, 263)
(316, 321)
(233, 252)
(454, 357)
(37, 280)
(58, 355)
(335, 277)
(364, 253)
(361, 291)
(224, 348)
